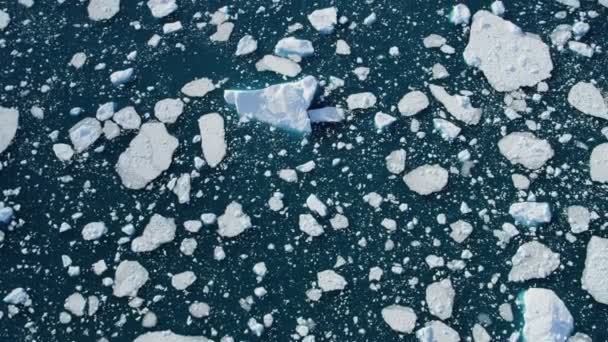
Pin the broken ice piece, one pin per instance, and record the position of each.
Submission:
(382, 120)
(224, 30)
(588, 99)
(326, 114)
(182, 281)
(361, 101)
(233, 222)
(446, 129)
(526, 149)
(324, 20)
(161, 8)
(94, 231)
(246, 45)
(533, 260)
(63, 152)
(158, 231)
(5, 19)
(546, 317)
(198, 88)
(9, 120)
(329, 280)
(530, 213)
(127, 118)
(168, 336)
(84, 133)
(579, 218)
(459, 106)
(596, 267)
(282, 66)
(292, 46)
(400, 318)
(426, 179)
(460, 14)
(122, 76)
(213, 141)
(460, 230)
(598, 163)
(103, 9)
(168, 110)
(129, 278)
(440, 298)
(437, 331)
(309, 225)
(105, 111)
(395, 161)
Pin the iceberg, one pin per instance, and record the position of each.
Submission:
(546, 317)
(588, 99)
(103, 9)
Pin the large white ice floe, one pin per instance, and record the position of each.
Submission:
(588, 99)
(459, 106)
(168, 110)
(291, 46)
(413, 103)
(437, 331)
(213, 140)
(329, 280)
(598, 163)
(233, 222)
(130, 276)
(9, 120)
(161, 8)
(530, 213)
(158, 231)
(84, 133)
(440, 298)
(508, 57)
(103, 9)
(148, 155)
(198, 87)
(127, 118)
(400, 318)
(427, 179)
(361, 101)
(279, 65)
(168, 336)
(526, 149)
(533, 260)
(594, 278)
(324, 20)
(546, 317)
(282, 105)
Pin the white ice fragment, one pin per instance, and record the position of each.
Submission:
(533, 260)
(342, 47)
(433, 41)
(579, 218)
(110, 129)
(288, 175)
(570, 3)
(580, 29)
(233, 222)
(168, 110)
(282, 105)
(439, 71)
(246, 45)
(94, 231)
(122, 76)
(546, 317)
(446, 129)
(560, 35)
(182, 281)
(63, 152)
(382, 120)
(530, 213)
(84, 133)
(292, 46)
(103, 9)
(198, 87)
(395, 161)
(127, 118)
(338, 222)
(460, 230)
(282, 66)
(199, 309)
(105, 111)
(508, 57)
(224, 30)
(129, 278)
(78, 60)
(213, 140)
(326, 114)
(329, 280)
(161, 8)
(400, 318)
(158, 231)
(324, 20)
(588, 99)
(309, 225)
(316, 205)
(581, 49)
(182, 188)
(498, 8)
(520, 182)
(598, 163)
(460, 14)
(361, 101)
(459, 106)
(17, 296)
(480, 334)
(440, 298)
(594, 278)
(75, 304)
(5, 19)
(9, 121)
(526, 149)
(437, 331)
(168, 336)
(148, 155)
(172, 27)
(426, 179)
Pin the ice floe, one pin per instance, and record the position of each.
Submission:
(246, 45)
(161, 8)
(427, 179)
(213, 140)
(598, 163)
(395, 161)
(127, 118)
(594, 278)
(588, 99)
(526, 149)
(546, 317)
(84, 133)
(437, 331)
(168, 336)
(533, 260)
(530, 213)
(122, 76)
(233, 222)
(103, 9)
(324, 20)
(130, 276)
(361, 101)
(279, 65)
(157, 232)
(459, 106)
(400, 318)
(168, 110)
(329, 280)
(292, 46)
(198, 87)
(440, 298)
(9, 121)
(326, 114)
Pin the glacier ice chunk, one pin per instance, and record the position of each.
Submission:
(594, 278)
(9, 120)
(588, 99)
(324, 20)
(213, 141)
(546, 317)
(530, 213)
(598, 163)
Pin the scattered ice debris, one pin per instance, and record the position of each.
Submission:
(413, 103)
(127, 118)
(426, 179)
(78, 60)
(105, 111)
(459, 106)
(361, 101)
(129, 278)
(94, 231)
(508, 57)
(598, 163)
(324, 20)
(526, 149)
(309, 225)
(282, 66)
(182, 281)
(103, 9)
(460, 14)
(122, 76)
(198, 87)
(588, 99)
(9, 121)
(530, 213)
(199, 309)
(400, 318)
(233, 222)
(460, 230)
(17, 296)
(169, 336)
(246, 45)
(546, 317)
(329, 280)
(168, 110)
(339, 222)
(63, 152)
(213, 140)
(440, 298)
(579, 218)
(395, 161)
(158, 231)
(292, 46)
(382, 120)
(533, 260)
(223, 33)
(342, 47)
(5, 19)
(326, 114)
(148, 155)
(282, 105)
(161, 8)
(84, 133)
(594, 278)
(437, 331)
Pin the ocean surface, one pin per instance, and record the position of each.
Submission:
(35, 50)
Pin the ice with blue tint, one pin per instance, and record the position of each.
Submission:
(326, 114)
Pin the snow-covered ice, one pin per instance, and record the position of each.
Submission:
(533, 260)
(309, 225)
(395, 161)
(168, 110)
(426, 179)
(279, 65)
(9, 121)
(546, 317)
(530, 213)
(234, 221)
(400, 318)
(84, 133)
(324, 20)
(440, 298)
(246, 45)
(157, 232)
(594, 278)
(122, 76)
(598, 163)
(198, 87)
(127, 118)
(437, 331)
(161, 8)
(329, 280)
(103, 9)
(213, 140)
(361, 101)
(291, 46)
(182, 281)
(94, 231)
(526, 149)
(129, 278)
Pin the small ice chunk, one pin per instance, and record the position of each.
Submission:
(103, 9)
(437, 331)
(326, 114)
(198, 88)
(182, 188)
(546, 317)
(158, 231)
(382, 120)
(329, 280)
(400, 318)
(168, 110)
(129, 278)
(370, 19)
(199, 309)
(460, 230)
(598, 163)
(5, 19)
(127, 118)
(75, 304)
(316, 205)
(580, 29)
(324, 20)
(110, 129)
(288, 175)
(439, 71)
(282, 66)
(342, 47)
(433, 41)
(169, 336)
(570, 3)
(246, 45)
(526, 149)
(581, 49)
(233, 222)
(78, 60)
(309, 225)
(533, 260)
(213, 140)
(530, 213)
(339, 221)
(84, 133)
(498, 8)
(440, 298)
(105, 111)
(459, 106)
(560, 35)
(594, 278)
(148, 155)
(292, 46)
(182, 281)
(460, 14)
(426, 179)
(395, 161)
(122, 76)
(94, 231)
(579, 218)
(361, 101)
(9, 121)
(63, 152)
(172, 27)
(18, 296)
(161, 8)
(520, 182)
(446, 129)
(223, 33)
(588, 99)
